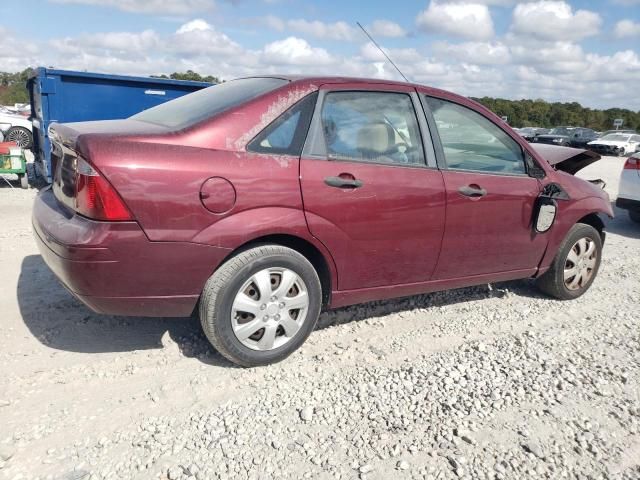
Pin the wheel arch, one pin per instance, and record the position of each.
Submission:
(594, 220)
(306, 249)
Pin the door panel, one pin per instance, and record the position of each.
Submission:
(386, 232)
(492, 233)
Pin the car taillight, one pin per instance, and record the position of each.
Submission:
(632, 163)
(95, 197)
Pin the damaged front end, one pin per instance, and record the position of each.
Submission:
(567, 159)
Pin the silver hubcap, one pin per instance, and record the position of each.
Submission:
(580, 264)
(20, 137)
(269, 309)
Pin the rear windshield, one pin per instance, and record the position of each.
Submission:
(197, 106)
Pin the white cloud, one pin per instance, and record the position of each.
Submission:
(468, 20)
(197, 38)
(295, 51)
(499, 3)
(156, 7)
(627, 28)
(318, 29)
(386, 28)
(333, 31)
(475, 53)
(558, 57)
(16, 54)
(407, 55)
(554, 20)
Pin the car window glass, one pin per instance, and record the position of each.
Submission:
(208, 102)
(379, 127)
(472, 142)
(286, 135)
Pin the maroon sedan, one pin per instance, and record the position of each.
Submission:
(261, 201)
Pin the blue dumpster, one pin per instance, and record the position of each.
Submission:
(67, 96)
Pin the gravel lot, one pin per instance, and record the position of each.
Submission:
(473, 383)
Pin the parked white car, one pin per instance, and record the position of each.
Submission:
(616, 144)
(16, 128)
(629, 192)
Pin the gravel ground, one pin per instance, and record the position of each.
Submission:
(473, 383)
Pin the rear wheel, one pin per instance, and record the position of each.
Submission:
(22, 136)
(621, 152)
(261, 305)
(576, 264)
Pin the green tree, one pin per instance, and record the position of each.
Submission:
(190, 75)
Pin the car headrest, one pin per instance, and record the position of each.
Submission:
(375, 137)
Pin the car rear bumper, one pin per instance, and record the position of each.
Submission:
(113, 267)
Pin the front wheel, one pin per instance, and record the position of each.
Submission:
(261, 305)
(621, 152)
(576, 264)
(634, 216)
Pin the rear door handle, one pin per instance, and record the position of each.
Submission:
(472, 191)
(339, 182)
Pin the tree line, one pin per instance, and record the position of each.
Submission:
(539, 113)
(520, 113)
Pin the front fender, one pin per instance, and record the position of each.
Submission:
(569, 213)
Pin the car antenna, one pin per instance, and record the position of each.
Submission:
(383, 52)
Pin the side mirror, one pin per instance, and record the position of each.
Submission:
(546, 214)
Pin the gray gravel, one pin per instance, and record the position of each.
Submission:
(476, 383)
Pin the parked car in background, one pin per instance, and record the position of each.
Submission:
(580, 137)
(556, 136)
(530, 133)
(616, 144)
(629, 190)
(264, 200)
(16, 128)
(607, 132)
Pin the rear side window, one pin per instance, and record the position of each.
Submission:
(286, 135)
(206, 103)
(472, 142)
(376, 127)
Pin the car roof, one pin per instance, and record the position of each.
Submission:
(338, 79)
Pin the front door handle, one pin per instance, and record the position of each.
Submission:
(339, 182)
(472, 191)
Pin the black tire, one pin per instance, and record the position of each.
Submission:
(22, 136)
(634, 216)
(221, 289)
(24, 181)
(621, 152)
(552, 282)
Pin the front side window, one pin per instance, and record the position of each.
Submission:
(472, 142)
(376, 127)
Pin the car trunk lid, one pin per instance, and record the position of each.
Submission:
(567, 159)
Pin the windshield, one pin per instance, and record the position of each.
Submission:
(197, 106)
(560, 131)
(616, 137)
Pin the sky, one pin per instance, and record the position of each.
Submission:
(568, 50)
